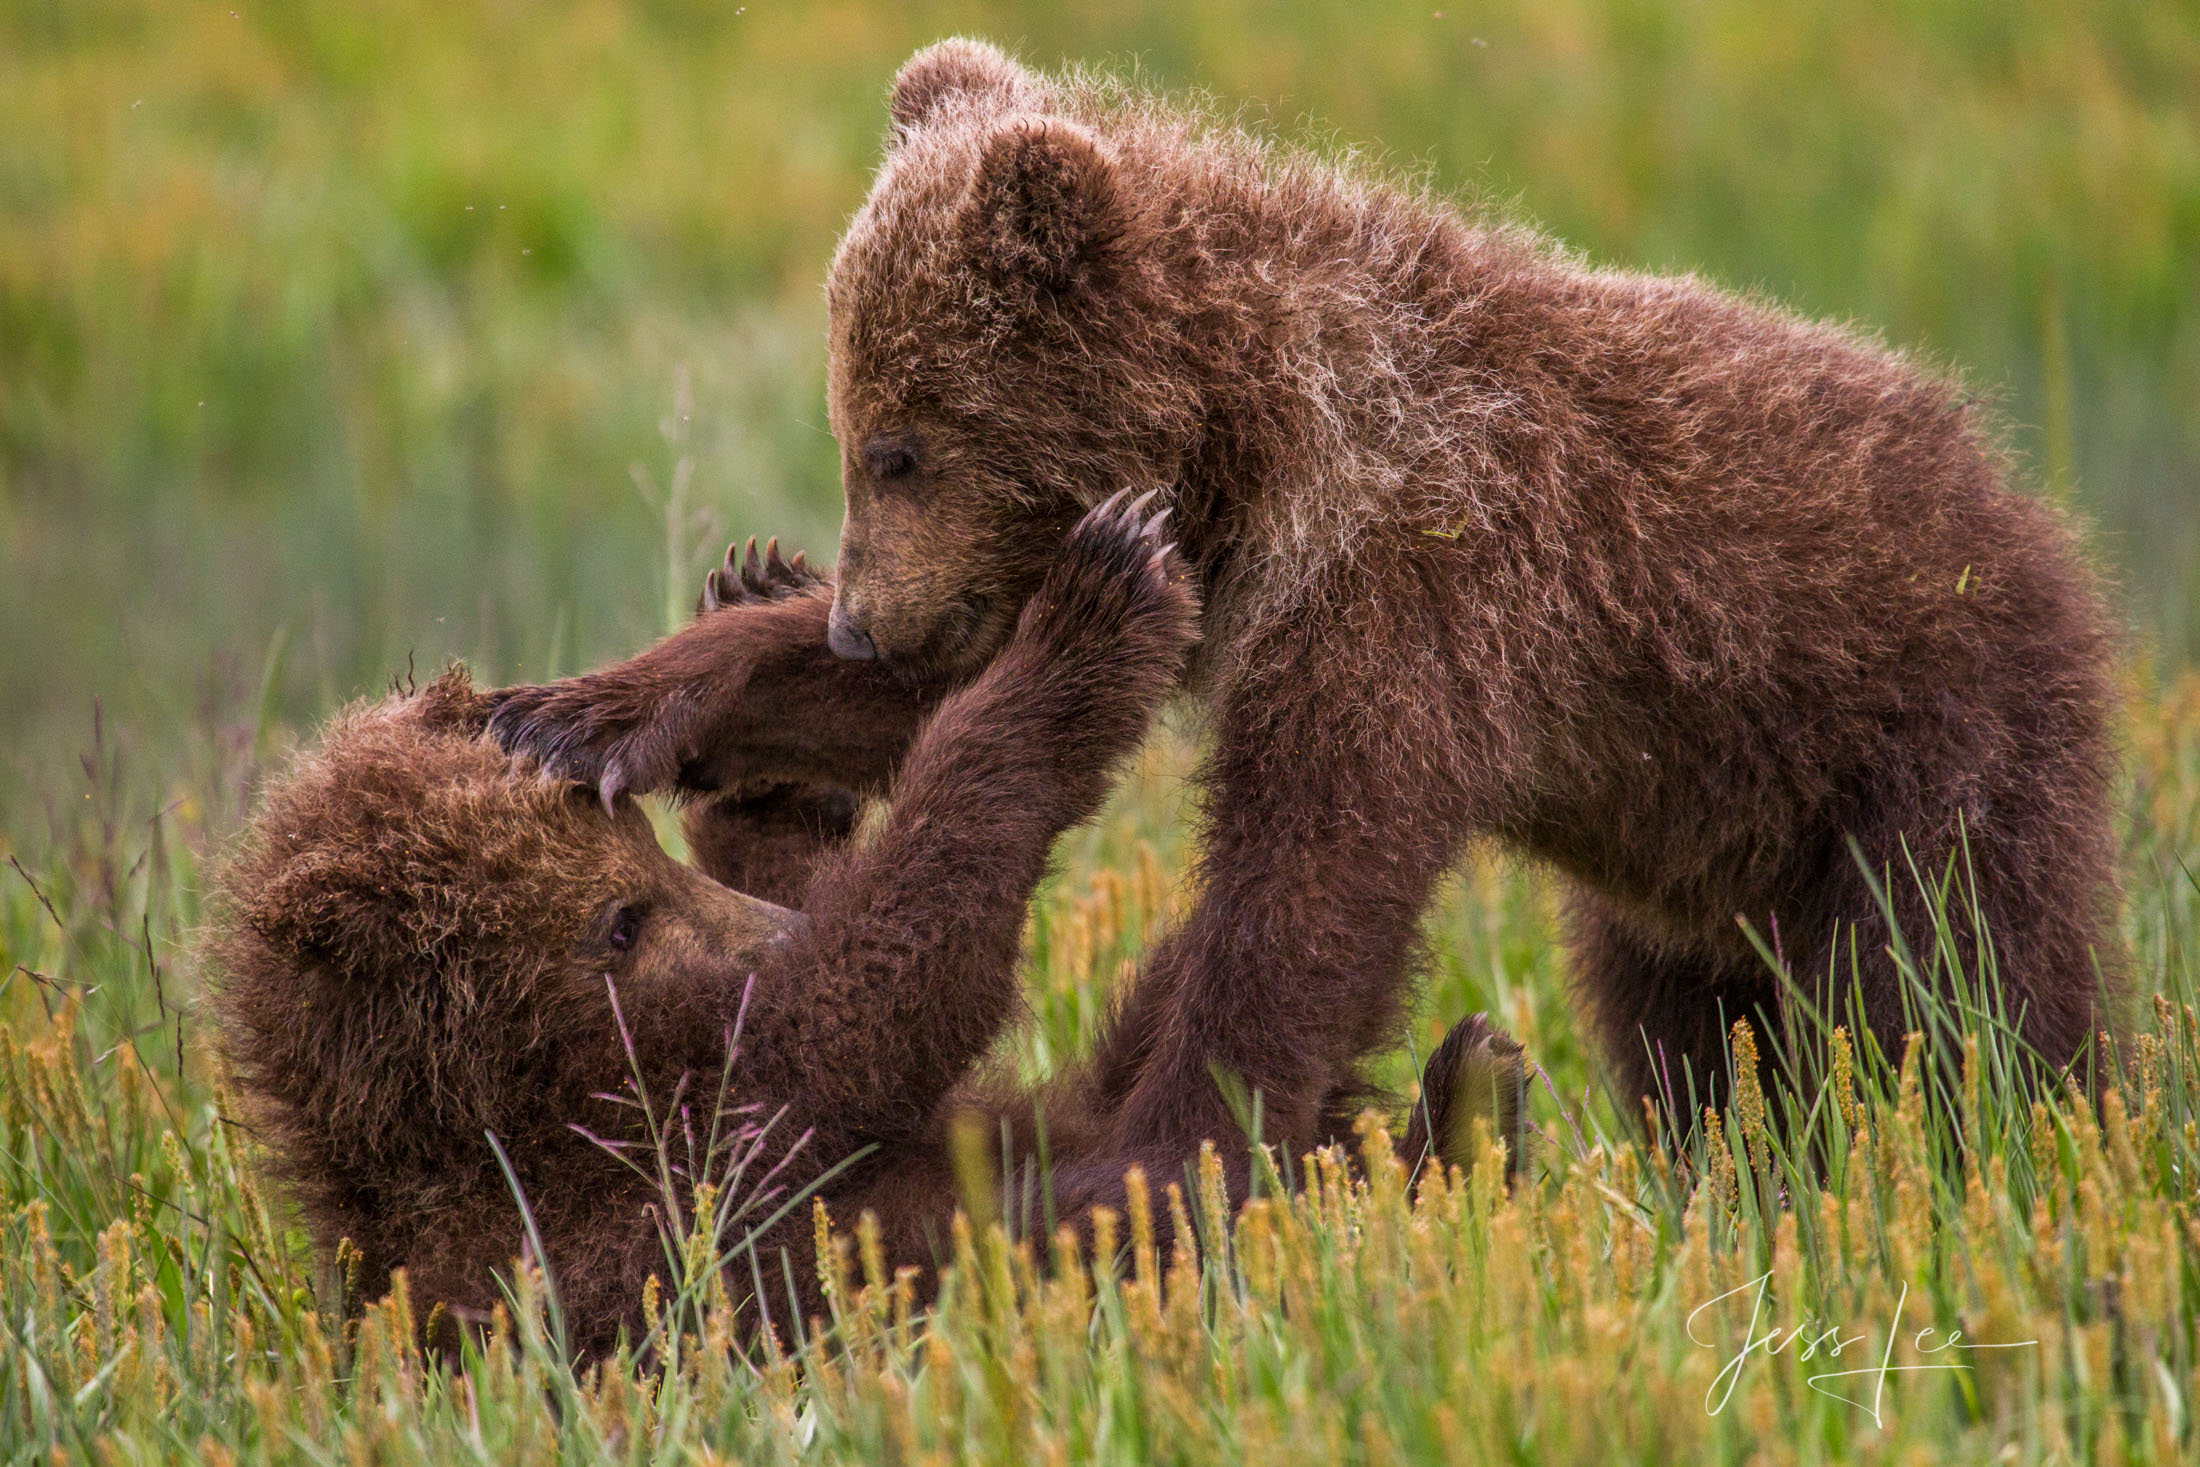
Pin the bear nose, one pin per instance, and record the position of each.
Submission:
(849, 642)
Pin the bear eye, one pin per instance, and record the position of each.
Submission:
(889, 460)
(626, 929)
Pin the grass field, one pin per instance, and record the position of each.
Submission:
(156, 1304)
(334, 338)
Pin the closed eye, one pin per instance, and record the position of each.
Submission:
(888, 460)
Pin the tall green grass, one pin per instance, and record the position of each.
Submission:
(157, 1301)
(331, 333)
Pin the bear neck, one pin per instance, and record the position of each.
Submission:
(1317, 319)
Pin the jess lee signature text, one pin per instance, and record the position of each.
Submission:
(1815, 1340)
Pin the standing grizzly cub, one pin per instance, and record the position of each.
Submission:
(1680, 594)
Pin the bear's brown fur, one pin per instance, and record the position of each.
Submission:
(421, 940)
(1672, 590)
(1676, 592)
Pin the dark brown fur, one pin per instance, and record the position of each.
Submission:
(414, 948)
(1670, 589)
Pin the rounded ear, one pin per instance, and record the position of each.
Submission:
(969, 74)
(333, 908)
(1043, 206)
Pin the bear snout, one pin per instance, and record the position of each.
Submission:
(849, 641)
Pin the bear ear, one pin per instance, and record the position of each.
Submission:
(329, 909)
(1044, 206)
(969, 74)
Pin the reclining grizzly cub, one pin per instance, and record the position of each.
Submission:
(421, 941)
(1679, 594)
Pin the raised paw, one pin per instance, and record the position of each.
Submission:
(1118, 583)
(614, 735)
(744, 580)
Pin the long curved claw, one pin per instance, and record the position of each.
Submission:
(1105, 509)
(749, 574)
(719, 581)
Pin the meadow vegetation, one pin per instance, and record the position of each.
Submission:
(337, 338)
(157, 1301)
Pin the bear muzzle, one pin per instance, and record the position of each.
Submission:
(850, 643)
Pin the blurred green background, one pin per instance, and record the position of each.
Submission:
(337, 336)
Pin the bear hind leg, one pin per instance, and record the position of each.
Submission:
(1662, 1012)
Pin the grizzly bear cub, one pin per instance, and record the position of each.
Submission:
(1729, 617)
(421, 944)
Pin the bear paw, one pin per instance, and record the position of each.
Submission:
(1480, 1073)
(1118, 595)
(602, 730)
(747, 580)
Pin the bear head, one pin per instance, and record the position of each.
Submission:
(419, 939)
(998, 334)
